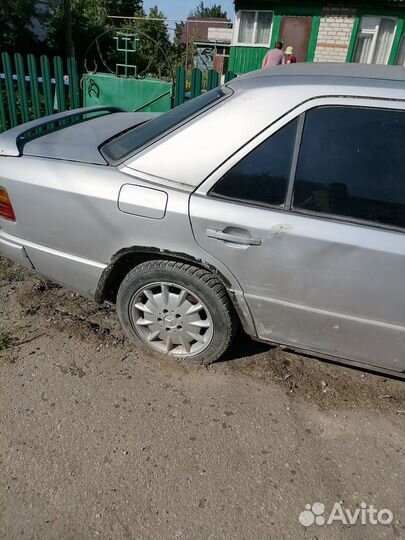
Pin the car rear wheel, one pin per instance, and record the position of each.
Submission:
(177, 309)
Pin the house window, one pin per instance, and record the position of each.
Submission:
(374, 40)
(401, 52)
(253, 28)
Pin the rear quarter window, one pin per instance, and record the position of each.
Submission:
(124, 146)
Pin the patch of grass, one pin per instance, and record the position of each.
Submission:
(5, 339)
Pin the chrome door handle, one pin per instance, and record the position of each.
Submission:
(233, 238)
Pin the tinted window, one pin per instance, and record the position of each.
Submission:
(262, 176)
(352, 163)
(123, 146)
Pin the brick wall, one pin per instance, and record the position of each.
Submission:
(334, 35)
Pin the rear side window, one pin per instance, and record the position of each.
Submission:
(352, 163)
(123, 146)
(262, 176)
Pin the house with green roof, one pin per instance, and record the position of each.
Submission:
(364, 31)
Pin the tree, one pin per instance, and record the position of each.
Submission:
(17, 18)
(155, 49)
(178, 49)
(89, 20)
(123, 8)
(204, 11)
(93, 34)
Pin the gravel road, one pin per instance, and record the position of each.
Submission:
(98, 441)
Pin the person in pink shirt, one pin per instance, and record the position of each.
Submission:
(275, 57)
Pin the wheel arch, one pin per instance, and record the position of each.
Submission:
(127, 258)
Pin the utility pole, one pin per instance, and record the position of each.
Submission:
(67, 8)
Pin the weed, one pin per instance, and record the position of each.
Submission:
(5, 339)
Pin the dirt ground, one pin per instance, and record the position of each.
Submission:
(100, 441)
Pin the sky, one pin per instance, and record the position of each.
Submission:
(180, 9)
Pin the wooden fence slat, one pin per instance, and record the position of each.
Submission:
(47, 87)
(11, 98)
(213, 79)
(33, 73)
(180, 86)
(3, 118)
(22, 87)
(74, 91)
(196, 82)
(60, 85)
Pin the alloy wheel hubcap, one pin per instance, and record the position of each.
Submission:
(171, 319)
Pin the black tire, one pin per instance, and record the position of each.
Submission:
(201, 283)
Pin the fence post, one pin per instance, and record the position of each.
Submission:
(180, 86)
(196, 82)
(32, 71)
(229, 75)
(12, 110)
(213, 79)
(46, 81)
(59, 83)
(74, 94)
(22, 87)
(3, 119)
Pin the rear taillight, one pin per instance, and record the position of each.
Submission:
(6, 209)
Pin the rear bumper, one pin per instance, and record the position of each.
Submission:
(15, 252)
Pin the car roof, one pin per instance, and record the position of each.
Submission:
(319, 73)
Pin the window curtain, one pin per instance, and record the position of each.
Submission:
(263, 28)
(384, 41)
(374, 40)
(246, 26)
(363, 48)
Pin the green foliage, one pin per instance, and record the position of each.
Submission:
(154, 52)
(89, 20)
(123, 8)
(5, 339)
(178, 49)
(16, 32)
(154, 59)
(204, 11)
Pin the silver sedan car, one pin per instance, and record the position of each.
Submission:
(276, 201)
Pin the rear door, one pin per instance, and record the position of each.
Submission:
(311, 221)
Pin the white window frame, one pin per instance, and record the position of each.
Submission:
(236, 26)
(375, 35)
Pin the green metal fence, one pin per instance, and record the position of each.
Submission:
(32, 88)
(197, 83)
(29, 91)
